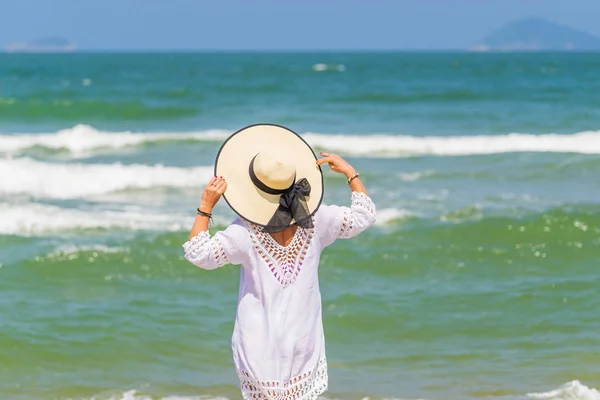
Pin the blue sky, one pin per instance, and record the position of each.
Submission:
(278, 24)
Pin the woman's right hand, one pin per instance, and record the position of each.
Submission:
(212, 193)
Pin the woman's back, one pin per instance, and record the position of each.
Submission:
(283, 238)
(278, 340)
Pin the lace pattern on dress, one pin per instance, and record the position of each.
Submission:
(193, 247)
(307, 386)
(218, 252)
(347, 224)
(284, 262)
(358, 200)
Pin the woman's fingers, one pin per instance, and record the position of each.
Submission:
(220, 187)
(220, 182)
(216, 180)
(327, 159)
(213, 184)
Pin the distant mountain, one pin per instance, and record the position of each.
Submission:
(44, 45)
(534, 34)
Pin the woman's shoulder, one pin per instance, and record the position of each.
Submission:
(238, 230)
(328, 211)
(328, 216)
(241, 223)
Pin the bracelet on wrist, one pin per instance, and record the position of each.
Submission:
(356, 175)
(205, 214)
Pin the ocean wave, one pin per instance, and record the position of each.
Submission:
(388, 216)
(135, 395)
(83, 140)
(25, 176)
(70, 248)
(577, 222)
(402, 145)
(417, 175)
(33, 219)
(321, 67)
(573, 390)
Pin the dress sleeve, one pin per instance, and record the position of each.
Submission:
(230, 246)
(337, 222)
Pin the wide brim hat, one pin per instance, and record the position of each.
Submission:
(262, 162)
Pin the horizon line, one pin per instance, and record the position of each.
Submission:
(307, 50)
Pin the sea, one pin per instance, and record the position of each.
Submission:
(478, 281)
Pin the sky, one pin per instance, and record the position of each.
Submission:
(146, 25)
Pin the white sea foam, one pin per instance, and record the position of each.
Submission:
(32, 219)
(321, 67)
(83, 140)
(387, 215)
(135, 395)
(70, 248)
(415, 176)
(402, 145)
(573, 390)
(570, 391)
(24, 176)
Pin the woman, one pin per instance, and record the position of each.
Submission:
(272, 179)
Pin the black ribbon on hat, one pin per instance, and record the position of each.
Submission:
(292, 203)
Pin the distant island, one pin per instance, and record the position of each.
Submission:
(45, 45)
(534, 34)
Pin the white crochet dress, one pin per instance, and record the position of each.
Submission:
(278, 342)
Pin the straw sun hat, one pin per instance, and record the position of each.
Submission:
(272, 177)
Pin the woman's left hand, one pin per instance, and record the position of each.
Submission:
(337, 164)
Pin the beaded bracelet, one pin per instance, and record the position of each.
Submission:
(205, 214)
(356, 175)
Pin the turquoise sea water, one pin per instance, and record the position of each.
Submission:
(478, 281)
